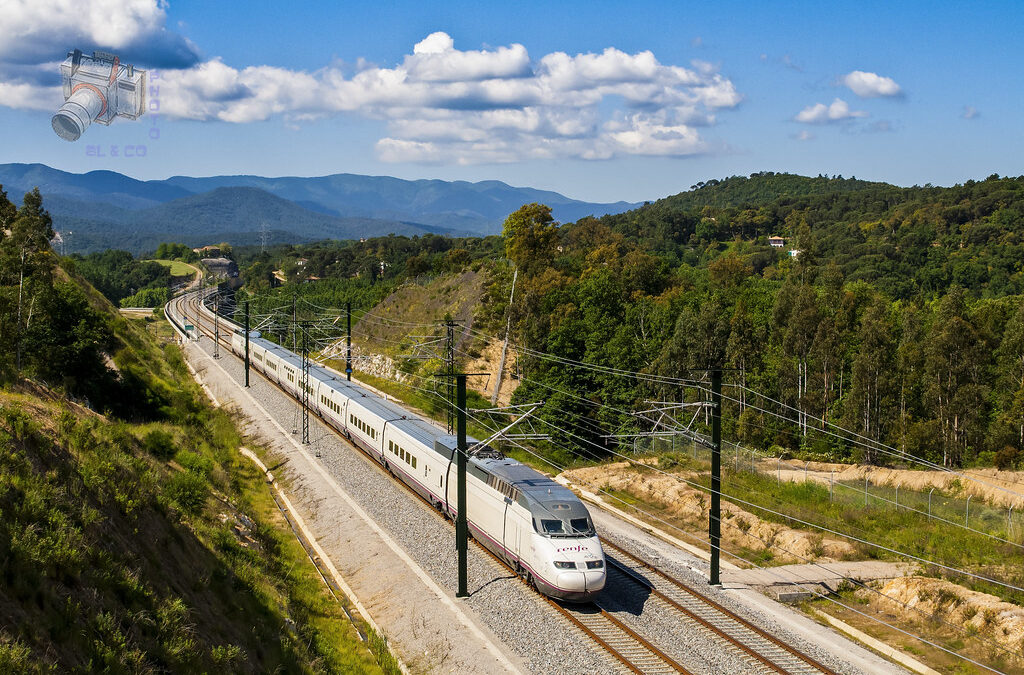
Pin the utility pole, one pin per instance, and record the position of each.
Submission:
(461, 523)
(246, 343)
(504, 348)
(450, 372)
(348, 342)
(305, 385)
(216, 325)
(715, 515)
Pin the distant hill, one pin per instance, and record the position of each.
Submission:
(105, 208)
(762, 188)
(478, 208)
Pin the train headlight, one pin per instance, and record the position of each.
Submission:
(595, 564)
(564, 565)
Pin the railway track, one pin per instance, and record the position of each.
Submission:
(633, 652)
(764, 652)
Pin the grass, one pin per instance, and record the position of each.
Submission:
(150, 545)
(868, 609)
(178, 268)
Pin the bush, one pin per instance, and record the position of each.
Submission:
(160, 444)
(195, 462)
(1008, 458)
(188, 491)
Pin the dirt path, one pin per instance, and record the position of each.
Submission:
(740, 528)
(999, 488)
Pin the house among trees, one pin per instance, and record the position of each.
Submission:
(776, 242)
(208, 251)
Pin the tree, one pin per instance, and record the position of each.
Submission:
(27, 262)
(1011, 359)
(870, 400)
(530, 237)
(801, 328)
(743, 348)
(954, 358)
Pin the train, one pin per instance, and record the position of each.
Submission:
(538, 527)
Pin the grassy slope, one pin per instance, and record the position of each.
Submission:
(154, 546)
(178, 268)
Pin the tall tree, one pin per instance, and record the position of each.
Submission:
(27, 262)
(797, 342)
(530, 237)
(1011, 363)
(953, 363)
(870, 400)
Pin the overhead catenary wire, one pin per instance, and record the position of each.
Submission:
(389, 321)
(810, 589)
(549, 462)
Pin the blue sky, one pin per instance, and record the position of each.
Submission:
(600, 101)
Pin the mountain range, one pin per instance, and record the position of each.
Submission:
(106, 209)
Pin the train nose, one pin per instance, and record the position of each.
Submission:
(582, 580)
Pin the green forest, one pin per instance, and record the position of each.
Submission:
(900, 317)
(895, 313)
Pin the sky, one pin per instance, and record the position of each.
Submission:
(600, 101)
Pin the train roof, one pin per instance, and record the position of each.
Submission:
(545, 497)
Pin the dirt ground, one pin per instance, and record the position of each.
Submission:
(999, 488)
(740, 528)
(988, 616)
(490, 358)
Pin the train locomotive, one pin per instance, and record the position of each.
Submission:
(538, 527)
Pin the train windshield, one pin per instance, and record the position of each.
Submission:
(582, 526)
(577, 527)
(552, 526)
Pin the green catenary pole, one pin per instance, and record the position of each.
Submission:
(246, 343)
(461, 523)
(715, 516)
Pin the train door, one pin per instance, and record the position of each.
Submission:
(510, 532)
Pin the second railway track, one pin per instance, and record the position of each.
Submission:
(633, 653)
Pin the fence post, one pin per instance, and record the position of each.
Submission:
(695, 449)
(967, 512)
(930, 502)
(1009, 522)
(778, 470)
(831, 486)
(865, 489)
(897, 497)
(805, 469)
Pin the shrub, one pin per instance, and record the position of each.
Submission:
(188, 491)
(160, 444)
(1007, 458)
(195, 462)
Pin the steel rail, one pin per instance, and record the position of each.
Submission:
(200, 313)
(729, 615)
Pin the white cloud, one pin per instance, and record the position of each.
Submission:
(38, 31)
(871, 85)
(819, 113)
(804, 135)
(439, 103)
(25, 96)
(446, 105)
(970, 113)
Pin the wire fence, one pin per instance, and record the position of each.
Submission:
(951, 506)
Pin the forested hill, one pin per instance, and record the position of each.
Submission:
(905, 241)
(762, 188)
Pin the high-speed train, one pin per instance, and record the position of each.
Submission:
(540, 528)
